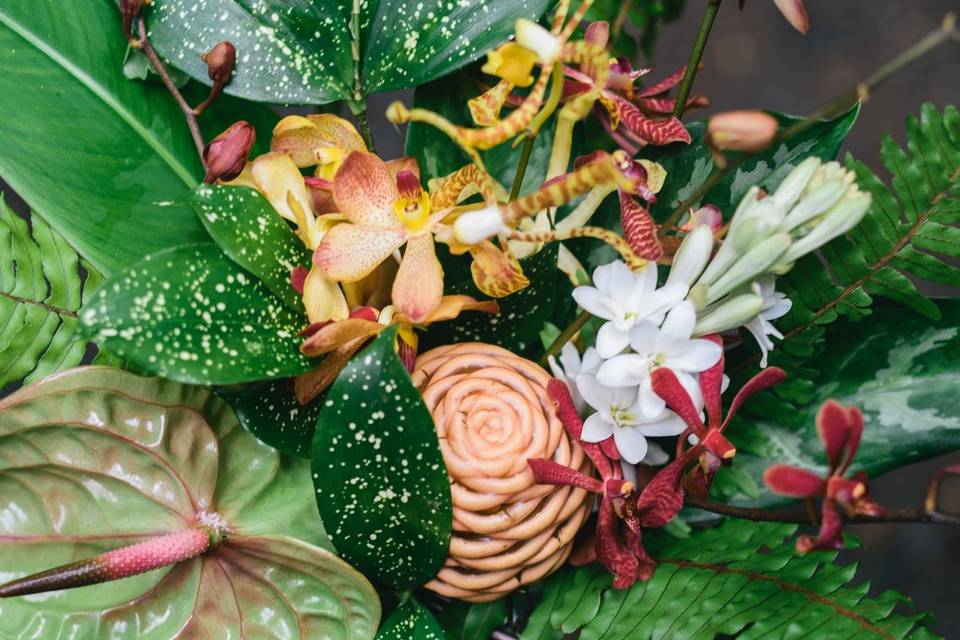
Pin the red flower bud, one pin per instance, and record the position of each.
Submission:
(130, 9)
(220, 62)
(750, 131)
(227, 154)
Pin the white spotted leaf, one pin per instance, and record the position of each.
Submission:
(382, 487)
(192, 315)
(411, 620)
(301, 52)
(94, 459)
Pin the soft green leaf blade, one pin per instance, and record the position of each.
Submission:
(190, 314)
(483, 618)
(411, 621)
(899, 369)
(689, 165)
(94, 152)
(406, 45)
(287, 52)
(252, 234)
(741, 579)
(382, 486)
(97, 458)
(270, 411)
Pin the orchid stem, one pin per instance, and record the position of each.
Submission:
(161, 70)
(360, 113)
(565, 336)
(696, 54)
(801, 517)
(620, 20)
(522, 166)
(862, 90)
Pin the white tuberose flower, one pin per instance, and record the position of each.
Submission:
(669, 346)
(775, 305)
(621, 414)
(624, 298)
(571, 365)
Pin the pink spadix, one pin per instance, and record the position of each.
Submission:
(113, 565)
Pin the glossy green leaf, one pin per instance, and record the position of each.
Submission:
(94, 459)
(689, 165)
(483, 618)
(382, 486)
(899, 369)
(411, 621)
(95, 153)
(741, 579)
(190, 314)
(270, 411)
(252, 234)
(300, 52)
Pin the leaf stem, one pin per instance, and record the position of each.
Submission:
(801, 517)
(696, 54)
(861, 91)
(565, 336)
(161, 70)
(360, 113)
(60, 311)
(522, 166)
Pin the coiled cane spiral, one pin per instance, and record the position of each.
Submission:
(492, 414)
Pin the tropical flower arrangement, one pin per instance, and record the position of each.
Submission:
(576, 365)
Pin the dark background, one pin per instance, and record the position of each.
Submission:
(755, 60)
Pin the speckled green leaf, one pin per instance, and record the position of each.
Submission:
(93, 459)
(190, 314)
(689, 165)
(382, 487)
(300, 52)
(94, 152)
(253, 235)
(409, 43)
(270, 411)
(899, 369)
(411, 621)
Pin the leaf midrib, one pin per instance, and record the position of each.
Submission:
(101, 92)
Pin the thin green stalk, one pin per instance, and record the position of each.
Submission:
(565, 336)
(696, 54)
(522, 166)
(861, 91)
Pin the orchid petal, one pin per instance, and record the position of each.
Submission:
(666, 385)
(337, 334)
(680, 322)
(711, 383)
(611, 340)
(763, 380)
(279, 180)
(496, 273)
(793, 481)
(349, 252)
(626, 370)
(365, 190)
(451, 307)
(304, 138)
(834, 422)
(418, 289)
(323, 299)
(631, 443)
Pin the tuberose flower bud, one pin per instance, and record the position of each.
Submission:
(692, 256)
(220, 62)
(729, 314)
(795, 13)
(752, 264)
(226, 155)
(750, 131)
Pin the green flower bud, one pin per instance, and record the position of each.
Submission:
(752, 264)
(731, 313)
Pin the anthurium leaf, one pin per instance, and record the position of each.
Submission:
(94, 459)
(898, 368)
(270, 411)
(411, 621)
(95, 153)
(688, 165)
(406, 45)
(190, 314)
(382, 486)
(252, 234)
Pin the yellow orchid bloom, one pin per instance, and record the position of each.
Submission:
(323, 140)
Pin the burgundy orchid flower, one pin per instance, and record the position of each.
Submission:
(716, 448)
(840, 429)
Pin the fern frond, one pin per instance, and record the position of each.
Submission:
(741, 579)
(905, 236)
(40, 293)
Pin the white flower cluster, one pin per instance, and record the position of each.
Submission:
(647, 326)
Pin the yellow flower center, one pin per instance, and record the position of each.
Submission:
(512, 62)
(413, 212)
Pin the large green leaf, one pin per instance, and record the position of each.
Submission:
(689, 165)
(300, 52)
(411, 621)
(741, 579)
(94, 459)
(40, 293)
(190, 314)
(899, 369)
(382, 486)
(271, 411)
(250, 231)
(94, 153)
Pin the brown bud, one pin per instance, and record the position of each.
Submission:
(220, 62)
(749, 131)
(130, 10)
(226, 155)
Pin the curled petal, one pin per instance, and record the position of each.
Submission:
(452, 306)
(611, 552)
(279, 180)
(711, 384)
(496, 273)
(338, 334)
(793, 481)
(662, 498)
(323, 299)
(666, 385)
(664, 85)
(597, 33)
(639, 229)
(305, 138)
(365, 191)
(657, 132)
(795, 13)
(308, 386)
(349, 252)
(840, 428)
(298, 276)
(485, 108)
(418, 289)
(550, 472)
(767, 378)
(831, 531)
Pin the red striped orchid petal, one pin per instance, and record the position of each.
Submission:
(711, 384)
(767, 378)
(639, 229)
(550, 472)
(559, 394)
(666, 385)
(664, 85)
(657, 132)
